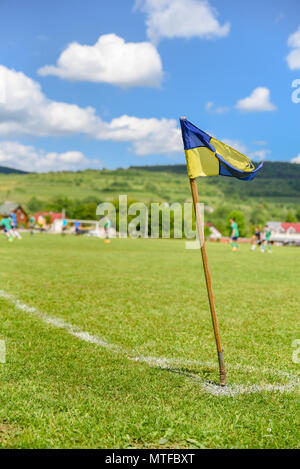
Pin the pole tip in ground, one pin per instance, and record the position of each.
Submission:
(222, 378)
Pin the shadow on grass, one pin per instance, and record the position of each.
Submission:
(205, 375)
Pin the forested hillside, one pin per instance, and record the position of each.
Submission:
(273, 194)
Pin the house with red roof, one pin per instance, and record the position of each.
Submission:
(285, 232)
(51, 216)
(291, 228)
(214, 232)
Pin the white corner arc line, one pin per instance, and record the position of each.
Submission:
(164, 363)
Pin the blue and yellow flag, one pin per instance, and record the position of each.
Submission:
(207, 156)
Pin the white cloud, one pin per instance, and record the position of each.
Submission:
(26, 157)
(294, 39)
(27, 111)
(296, 159)
(258, 101)
(110, 60)
(222, 109)
(210, 106)
(293, 59)
(146, 135)
(260, 155)
(181, 18)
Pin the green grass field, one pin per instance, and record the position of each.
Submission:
(146, 298)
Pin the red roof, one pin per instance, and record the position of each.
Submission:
(53, 215)
(287, 226)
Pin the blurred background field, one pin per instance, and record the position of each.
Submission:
(273, 195)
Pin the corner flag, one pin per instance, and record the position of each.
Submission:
(207, 156)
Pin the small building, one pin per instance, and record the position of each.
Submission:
(214, 232)
(275, 226)
(285, 233)
(7, 207)
(291, 228)
(44, 219)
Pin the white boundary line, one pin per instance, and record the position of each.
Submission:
(164, 363)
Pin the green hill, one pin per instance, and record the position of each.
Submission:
(276, 180)
(274, 193)
(6, 170)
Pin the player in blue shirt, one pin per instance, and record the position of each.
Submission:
(77, 227)
(14, 225)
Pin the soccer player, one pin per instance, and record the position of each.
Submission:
(14, 225)
(6, 223)
(107, 229)
(31, 224)
(77, 228)
(64, 226)
(256, 238)
(234, 234)
(267, 240)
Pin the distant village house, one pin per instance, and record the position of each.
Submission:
(284, 232)
(7, 207)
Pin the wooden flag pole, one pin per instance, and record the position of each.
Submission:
(210, 292)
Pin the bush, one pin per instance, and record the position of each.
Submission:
(35, 205)
(291, 217)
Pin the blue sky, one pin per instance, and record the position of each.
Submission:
(128, 69)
